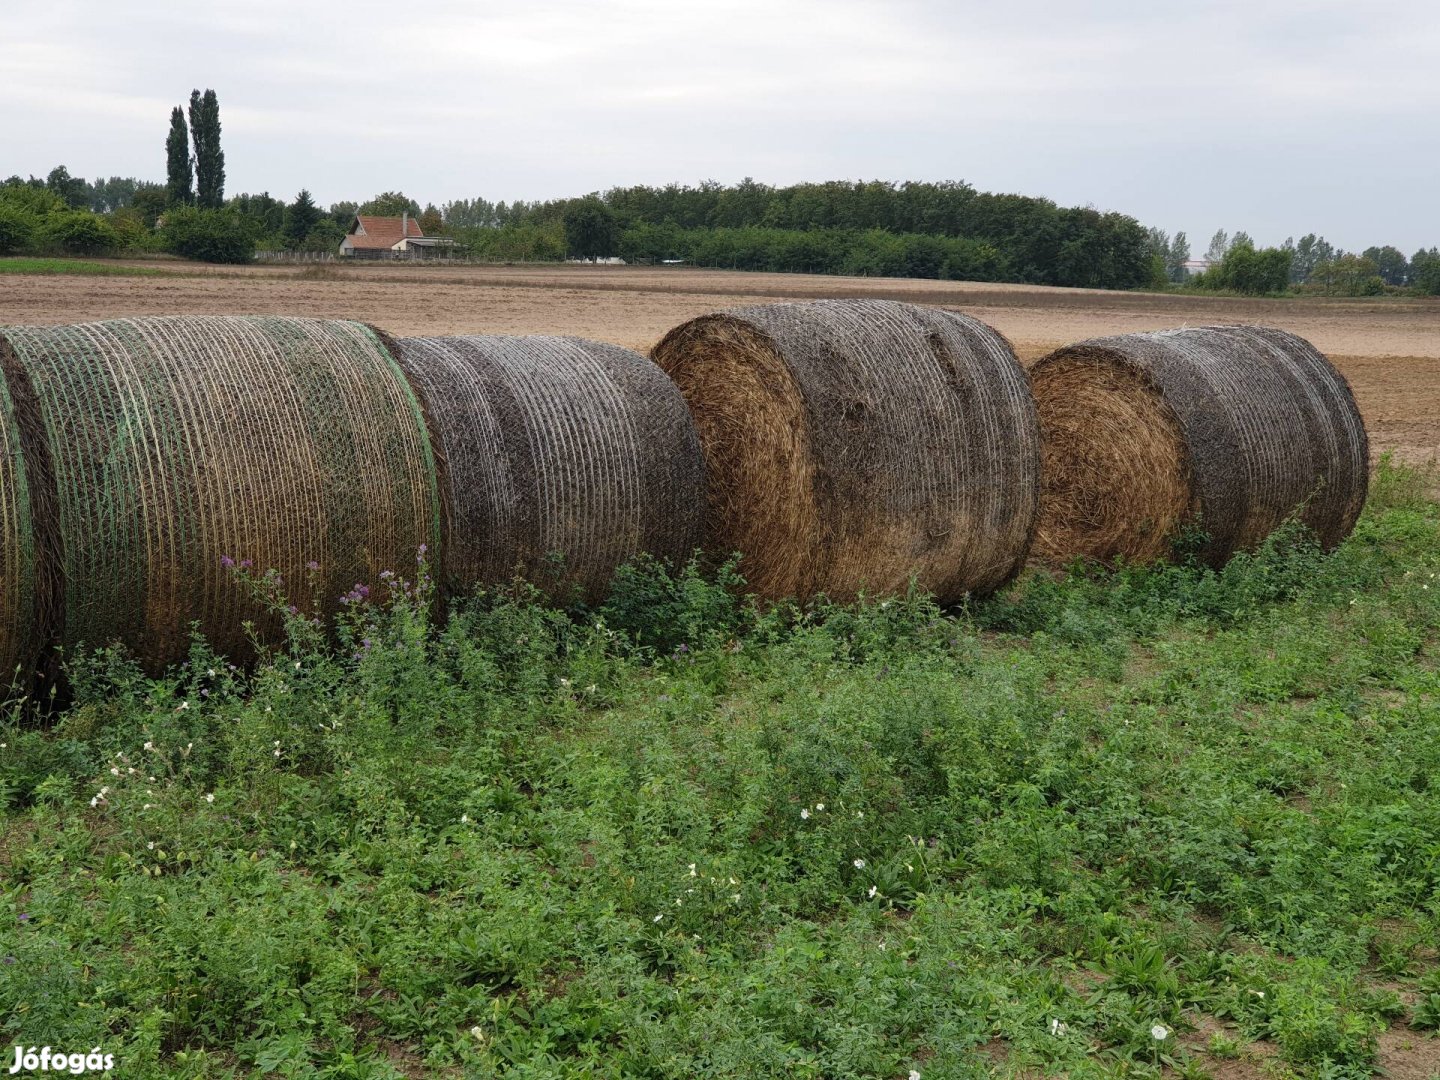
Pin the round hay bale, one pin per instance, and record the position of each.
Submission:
(22, 623)
(174, 442)
(1228, 430)
(851, 444)
(555, 447)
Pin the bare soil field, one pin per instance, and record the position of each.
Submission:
(1388, 348)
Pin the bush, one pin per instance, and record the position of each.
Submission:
(18, 228)
(79, 232)
(214, 236)
(1249, 271)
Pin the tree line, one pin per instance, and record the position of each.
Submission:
(1311, 265)
(879, 228)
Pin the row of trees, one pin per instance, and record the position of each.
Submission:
(921, 226)
(911, 229)
(1310, 265)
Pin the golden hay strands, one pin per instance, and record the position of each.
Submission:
(555, 446)
(1231, 428)
(851, 444)
(176, 441)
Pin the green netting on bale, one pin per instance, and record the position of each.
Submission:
(19, 616)
(556, 446)
(176, 441)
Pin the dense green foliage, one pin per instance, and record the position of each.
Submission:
(1425, 270)
(301, 218)
(909, 229)
(1246, 270)
(682, 837)
(179, 170)
(209, 157)
(590, 230)
(214, 236)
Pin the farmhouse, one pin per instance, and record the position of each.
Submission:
(400, 237)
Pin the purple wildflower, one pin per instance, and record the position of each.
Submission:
(293, 610)
(24, 916)
(246, 564)
(312, 566)
(8, 960)
(226, 562)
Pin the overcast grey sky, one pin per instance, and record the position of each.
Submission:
(1280, 118)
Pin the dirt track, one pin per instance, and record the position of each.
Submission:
(1389, 349)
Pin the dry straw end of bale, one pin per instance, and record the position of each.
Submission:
(562, 459)
(1226, 430)
(1114, 463)
(853, 445)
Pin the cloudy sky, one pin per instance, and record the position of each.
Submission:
(1279, 117)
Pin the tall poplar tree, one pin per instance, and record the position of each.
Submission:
(179, 176)
(209, 158)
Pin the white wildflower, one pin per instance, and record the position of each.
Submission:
(478, 1032)
(114, 772)
(658, 917)
(914, 1074)
(692, 869)
(1159, 1032)
(464, 819)
(184, 705)
(1058, 1028)
(210, 672)
(149, 746)
(871, 894)
(210, 796)
(805, 814)
(150, 846)
(859, 864)
(819, 806)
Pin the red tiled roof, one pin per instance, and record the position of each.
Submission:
(383, 233)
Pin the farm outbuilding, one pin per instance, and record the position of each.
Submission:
(372, 237)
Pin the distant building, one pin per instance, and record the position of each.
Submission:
(400, 237)
(1196, 266)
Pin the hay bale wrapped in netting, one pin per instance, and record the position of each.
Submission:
(23, 591)
(1227, 430)
(555, 446)
(174, 442)
(851, 444)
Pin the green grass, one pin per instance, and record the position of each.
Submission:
(677, 837)
(77, 266)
